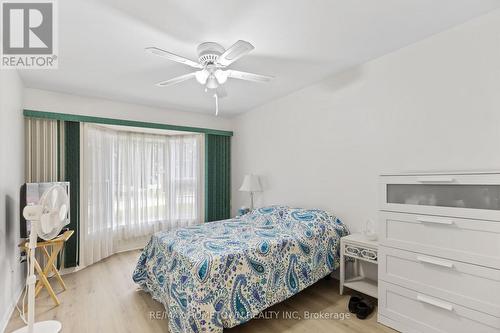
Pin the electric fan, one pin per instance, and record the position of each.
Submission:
(211, 68)
(47, 219)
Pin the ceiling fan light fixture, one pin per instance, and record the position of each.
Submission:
(221, 76)
(212, 82)
(202, 76)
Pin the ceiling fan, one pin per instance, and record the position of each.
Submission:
(212, 64)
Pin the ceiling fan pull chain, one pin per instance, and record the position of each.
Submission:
(216, 104)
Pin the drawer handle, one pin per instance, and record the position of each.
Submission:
(435, 180)
(434, 220)
(435, 302)
(437, 262)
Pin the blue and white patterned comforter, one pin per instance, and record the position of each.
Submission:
(223, 273)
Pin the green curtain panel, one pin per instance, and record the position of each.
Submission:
(217, 177)
(72, 175)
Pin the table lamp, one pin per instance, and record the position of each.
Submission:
(251, 184)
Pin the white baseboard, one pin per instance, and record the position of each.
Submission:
(10, 311)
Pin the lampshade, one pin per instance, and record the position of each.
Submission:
(212, 82)
(251, 183)
(202, 76)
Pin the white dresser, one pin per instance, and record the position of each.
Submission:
(439, 252)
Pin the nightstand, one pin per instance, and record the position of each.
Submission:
(361, 252)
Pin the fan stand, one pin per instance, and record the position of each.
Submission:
(48, 326)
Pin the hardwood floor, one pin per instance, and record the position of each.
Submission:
(103, 298)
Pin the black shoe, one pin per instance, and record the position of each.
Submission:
(364, 308)
(353, 304)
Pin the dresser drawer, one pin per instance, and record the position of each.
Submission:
(458, 195)
(468, 240)
(470, 285)
(419, 312)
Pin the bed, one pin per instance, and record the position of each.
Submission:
(224, 273)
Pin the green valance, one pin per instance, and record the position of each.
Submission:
(121, 122)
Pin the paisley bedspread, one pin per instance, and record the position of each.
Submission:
(224, 273)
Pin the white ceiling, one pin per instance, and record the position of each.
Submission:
(101, 44)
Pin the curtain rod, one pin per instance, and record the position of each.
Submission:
(122, 122)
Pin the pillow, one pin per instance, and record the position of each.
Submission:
(268, 215)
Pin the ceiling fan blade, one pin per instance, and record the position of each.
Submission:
(236, 51)
(221, 91)
(176, 80)
(171, 56)
(249, 76)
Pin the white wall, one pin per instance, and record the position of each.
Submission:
(43, 100)
(11, 179)
(434, 105)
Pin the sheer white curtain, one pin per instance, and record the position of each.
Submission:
(136, 184)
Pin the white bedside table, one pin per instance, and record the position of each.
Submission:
(357, 247)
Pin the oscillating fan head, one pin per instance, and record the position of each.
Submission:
(55, 205)
(51, 212)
